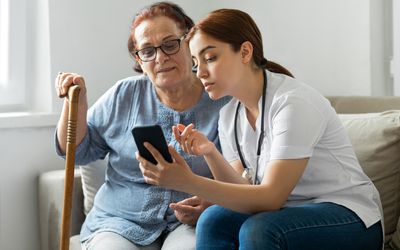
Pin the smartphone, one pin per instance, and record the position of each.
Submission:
(154, 135)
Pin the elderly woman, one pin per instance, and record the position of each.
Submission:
(128, 213)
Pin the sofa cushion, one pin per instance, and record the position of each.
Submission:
(93, 176)
(376, 141)
(395, 243)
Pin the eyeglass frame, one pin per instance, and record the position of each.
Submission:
(155, 48)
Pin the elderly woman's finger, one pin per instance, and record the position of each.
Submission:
(58, 84)
(143, 163)
(149, 180)
(149, 171)
(67, 81)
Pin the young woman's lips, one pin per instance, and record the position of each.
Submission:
(208, 86)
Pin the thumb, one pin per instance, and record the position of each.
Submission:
(175, 155)
(192, 201)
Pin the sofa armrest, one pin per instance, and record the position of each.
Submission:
(51, 193)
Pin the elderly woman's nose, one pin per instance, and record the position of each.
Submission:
(161, 56)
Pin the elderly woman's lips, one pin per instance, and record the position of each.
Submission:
(165, 70)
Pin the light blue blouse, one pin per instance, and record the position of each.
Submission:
(125, 203)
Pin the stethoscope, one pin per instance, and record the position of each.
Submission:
(246, 172)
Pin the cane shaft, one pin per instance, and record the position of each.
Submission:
(73, 96)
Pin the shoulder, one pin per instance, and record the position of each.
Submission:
(127, 88)
(132, 83)
(286, 91)
(123, 91)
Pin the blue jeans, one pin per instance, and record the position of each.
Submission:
(311, 226)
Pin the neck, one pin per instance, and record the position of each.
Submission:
(250, 92)
(183, 97)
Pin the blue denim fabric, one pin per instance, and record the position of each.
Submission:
(310, 226)
(125, 203)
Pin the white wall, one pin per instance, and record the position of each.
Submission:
(94, 42)
(326, 43)
(24, 154)
(338, 47)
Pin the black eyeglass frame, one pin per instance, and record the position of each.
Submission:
(179, 40)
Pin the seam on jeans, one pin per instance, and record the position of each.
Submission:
(281, 236)
(330, 225)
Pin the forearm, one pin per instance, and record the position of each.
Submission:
(221, 169)
(240, 198)
(63, 124)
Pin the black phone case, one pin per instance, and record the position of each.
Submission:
(154, 135)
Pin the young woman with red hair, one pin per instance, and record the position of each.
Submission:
(288, 177)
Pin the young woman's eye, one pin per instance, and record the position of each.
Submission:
(211, 59)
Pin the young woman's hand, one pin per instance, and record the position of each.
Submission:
(176, 175)
(192, 141)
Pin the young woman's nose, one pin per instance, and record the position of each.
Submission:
(201, 72)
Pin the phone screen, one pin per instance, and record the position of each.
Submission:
(154, 135)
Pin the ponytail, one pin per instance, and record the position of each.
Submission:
(275, 67)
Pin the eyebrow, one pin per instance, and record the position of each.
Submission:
(162, 41)
(202, 51)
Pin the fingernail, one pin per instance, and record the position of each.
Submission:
(181, 127)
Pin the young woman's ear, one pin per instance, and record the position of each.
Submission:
(246, 52)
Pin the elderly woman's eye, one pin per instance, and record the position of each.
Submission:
(170, 45)
(147, 51)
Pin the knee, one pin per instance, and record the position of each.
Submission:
(252, 228)
(211, 218)
(257, 231)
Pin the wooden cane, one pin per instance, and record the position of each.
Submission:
(73, 97)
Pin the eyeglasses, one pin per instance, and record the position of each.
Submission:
(169, 48)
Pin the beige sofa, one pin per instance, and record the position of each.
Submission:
(373, 125)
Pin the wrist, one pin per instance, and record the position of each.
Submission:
(211, 149)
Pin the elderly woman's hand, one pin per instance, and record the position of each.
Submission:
(65, 80)
(176, 175)
(192, 141)
(188, 210)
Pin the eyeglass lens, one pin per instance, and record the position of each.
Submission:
(169, 47)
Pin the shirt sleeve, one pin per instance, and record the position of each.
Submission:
(297, 126)
(94, 146)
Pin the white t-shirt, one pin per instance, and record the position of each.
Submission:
(300, 123)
